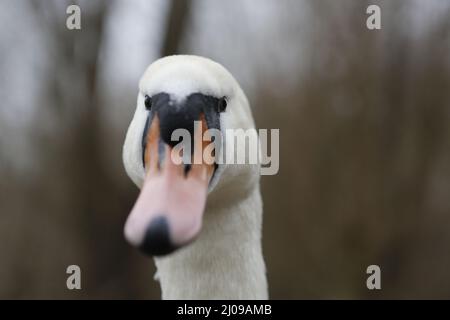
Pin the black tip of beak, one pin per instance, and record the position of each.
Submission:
(156, 240)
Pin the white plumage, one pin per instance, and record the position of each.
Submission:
(225, 260)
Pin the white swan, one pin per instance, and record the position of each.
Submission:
(216, 210)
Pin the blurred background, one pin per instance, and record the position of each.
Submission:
(364, 127)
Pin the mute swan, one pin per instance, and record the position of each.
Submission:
(204, 225)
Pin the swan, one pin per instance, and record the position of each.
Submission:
(201, 222)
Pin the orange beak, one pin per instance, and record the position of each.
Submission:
(169, 210)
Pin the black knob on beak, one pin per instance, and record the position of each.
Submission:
(157, 238)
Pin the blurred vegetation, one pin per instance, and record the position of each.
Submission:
(364, 152)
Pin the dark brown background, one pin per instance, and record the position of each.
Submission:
(364, 128)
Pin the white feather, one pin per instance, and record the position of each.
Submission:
(225, 261)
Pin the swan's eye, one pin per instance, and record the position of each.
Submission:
(148, 102)
(222, 104)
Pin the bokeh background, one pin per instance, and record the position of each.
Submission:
(364, 128)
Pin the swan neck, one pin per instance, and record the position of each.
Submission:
(224, 262)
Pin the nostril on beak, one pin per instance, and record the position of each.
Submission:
(187, 168)
(157, 240)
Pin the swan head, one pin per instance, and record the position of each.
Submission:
(194, 94)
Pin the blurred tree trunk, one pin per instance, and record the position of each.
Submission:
(76, 198)
(177, 20)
